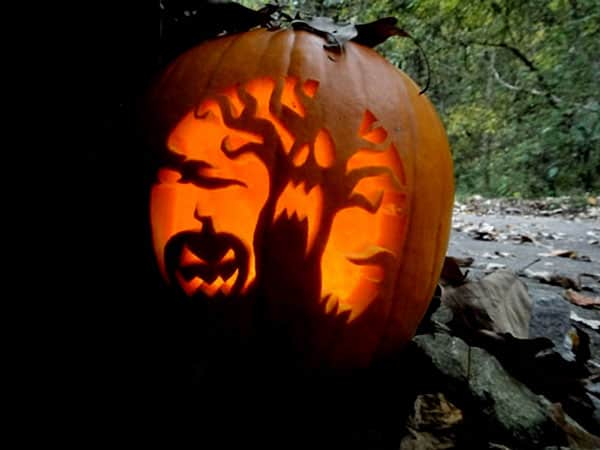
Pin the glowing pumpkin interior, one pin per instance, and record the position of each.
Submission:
(252, 167)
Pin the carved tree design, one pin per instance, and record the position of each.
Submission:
(313, 183)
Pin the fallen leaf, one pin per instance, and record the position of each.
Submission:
(595, 324)
(432, 424)
(451, 274)
(513, 211)
(577, 437)
(511, 347)
(594, 287)
(580, 344)
(488, 255)
(526, 238)
(580, 299)
(552, 279)
(561, 253)
(542, 276)
(523, 238)
(593, 276)
(498, 302)
(552, 212)
(482, 235)
(482, 232)
(490, 267)
(464, 262)
(564, 281)
(434, 411)
(572, 254)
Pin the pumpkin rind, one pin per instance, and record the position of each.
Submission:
(353, 219)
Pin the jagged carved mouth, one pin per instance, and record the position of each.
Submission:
(207, 263)
(208, 276)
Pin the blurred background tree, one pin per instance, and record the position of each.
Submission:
(517, 84)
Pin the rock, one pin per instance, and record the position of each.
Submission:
(550, 318)
(503, 409)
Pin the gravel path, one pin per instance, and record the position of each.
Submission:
(519, 242)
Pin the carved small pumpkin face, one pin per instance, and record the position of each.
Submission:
(205, 206)
(319, 185)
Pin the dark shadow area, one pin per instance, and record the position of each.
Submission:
(140, 366)
(121, 325)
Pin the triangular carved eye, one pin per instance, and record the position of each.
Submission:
(310, 87)
(369, 132)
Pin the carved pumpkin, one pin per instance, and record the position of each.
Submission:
(309, 191)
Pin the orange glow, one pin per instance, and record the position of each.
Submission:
(228, 192)
(301, 156)
(310, 87)
(352, 232)
(235, 104)
(367, 123)
(388, 158)
(168, 176)
(208, 289)
(261, 89)
(350, 267)
(289, 97)
(368, 133)
(371, 192)
(294, 200)
(364, 244)
(302, 199)
(324, 149)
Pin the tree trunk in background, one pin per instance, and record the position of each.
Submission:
(487, 138)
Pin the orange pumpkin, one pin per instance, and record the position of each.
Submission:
(310, 188)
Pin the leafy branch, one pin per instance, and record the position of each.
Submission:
(554, 97)
(525, 60)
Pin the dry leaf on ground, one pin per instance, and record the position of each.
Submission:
(552, 278)
(498, 302)
(581, 299)
(451, 274)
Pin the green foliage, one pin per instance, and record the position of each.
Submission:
(516, 83)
